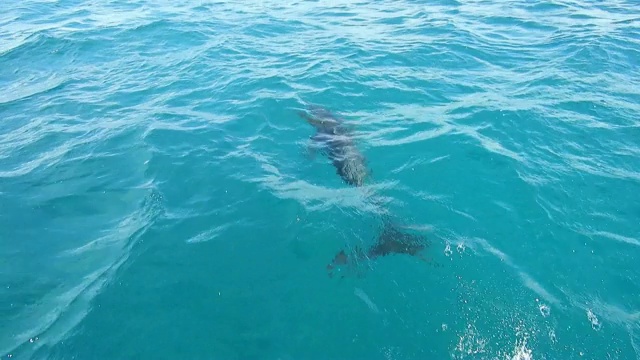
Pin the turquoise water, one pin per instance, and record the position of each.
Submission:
(157, 199)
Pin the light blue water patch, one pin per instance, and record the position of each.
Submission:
(158, 198)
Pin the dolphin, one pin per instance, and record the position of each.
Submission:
(335, 138)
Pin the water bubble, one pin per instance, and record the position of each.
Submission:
(447, 250)
(593, 319)
(470, 343)
(522, 353)
(544, 310)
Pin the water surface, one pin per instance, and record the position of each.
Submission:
(157, 200)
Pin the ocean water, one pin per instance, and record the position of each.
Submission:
(158, 199)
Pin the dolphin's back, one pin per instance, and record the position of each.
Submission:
(353, 171)
(349, 162)
(324, 113)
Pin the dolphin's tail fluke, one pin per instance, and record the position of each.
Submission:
(391, 240)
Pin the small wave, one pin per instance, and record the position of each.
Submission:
(208, 235)
(314, 197)
(59, 312)
(600, 168)
(414, 137)
(489, 144)
(527, 279)
(320, 198)
(612, 236)
(22, 91)
(365, 298)
(33, 40)
(48, 158)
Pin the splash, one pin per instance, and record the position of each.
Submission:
(470, 343)
(593, 319)
(521, 352)
(545, 310)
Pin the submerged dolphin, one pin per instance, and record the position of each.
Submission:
(391, 241)
(334, 137)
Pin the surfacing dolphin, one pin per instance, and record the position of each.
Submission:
(334, 137)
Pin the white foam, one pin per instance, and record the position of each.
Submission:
(527, 280)
(521, 352)
(593, 319)
(363, 296)
(208, 235)
(470, 342)
(544, 310)
(447, 250)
